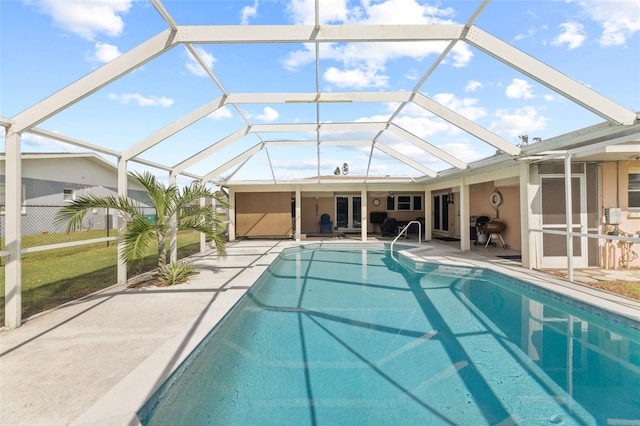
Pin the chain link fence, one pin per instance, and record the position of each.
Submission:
(39, 229)
(53, 276)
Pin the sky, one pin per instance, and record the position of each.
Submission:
(47, 44)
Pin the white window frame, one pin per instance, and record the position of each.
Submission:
(411, 203)
(23, 208)
(68, 195)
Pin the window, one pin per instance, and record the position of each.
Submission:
(404, 202)
(417, 202)
(2, 200)
(634, 192)
(68, 194)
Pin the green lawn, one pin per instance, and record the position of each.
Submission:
(53, 277)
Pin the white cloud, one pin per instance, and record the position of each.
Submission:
(619, 20)
(331, 11)
(425, 124)
(459, 149)
(298, 58)
(423, 127)
(522, 121)
(461, 55)
(573, 35)
(464, 106)
(357, 78)
(549, 97)
(269, 114)
(221, 113)
(409, 150)
(519, 89)
(37, 142)
(376, 54)
(372, 55)
(299, 164)
(87, 18)
(103, 53)
(194, 66)
(248, 12)
(472, 86)
(530, 32)
(141, 100)
(411, 74)
(462, 151)
(405, 12)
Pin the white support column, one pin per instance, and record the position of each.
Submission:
(569, 214)
(535, 218)
(428, 214)
(122, 222)
(525, 216)
(203, 237)
(173, 228)
(465, 233)
(298, 217)
(364, 223)
(13, 232)
(232, 215)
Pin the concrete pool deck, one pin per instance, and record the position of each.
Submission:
(98, 359)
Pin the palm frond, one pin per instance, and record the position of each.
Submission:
(219, 240)
(156, 190)
(74, 213)
(138, 236)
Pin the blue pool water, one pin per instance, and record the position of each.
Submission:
(351, 337)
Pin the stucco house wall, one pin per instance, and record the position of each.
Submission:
(508, 212)
(47, 176)
(614, 194)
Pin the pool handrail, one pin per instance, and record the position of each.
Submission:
(405, 230)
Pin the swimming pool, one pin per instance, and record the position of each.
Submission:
(330, 336)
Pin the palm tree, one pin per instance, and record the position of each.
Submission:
(168, 201)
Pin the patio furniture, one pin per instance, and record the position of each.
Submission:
(389, 227)
(326, 224)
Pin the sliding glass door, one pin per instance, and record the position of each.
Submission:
(441, 212)
(348, 212)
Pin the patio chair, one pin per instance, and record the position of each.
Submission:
(326, 224)
(389, 227)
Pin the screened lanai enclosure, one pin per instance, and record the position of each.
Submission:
(321, 105)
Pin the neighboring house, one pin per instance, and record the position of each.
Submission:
(50, 180)
(528, 196)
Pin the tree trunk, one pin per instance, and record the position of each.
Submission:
(162, 252)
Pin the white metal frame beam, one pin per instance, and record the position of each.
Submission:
(465, 124)
(426, 146)
(180, 167)
(235, 34)
(93, 81)
(313, 97)
(549, 77)
(406, 160)
(233, 162)
(173, 128)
